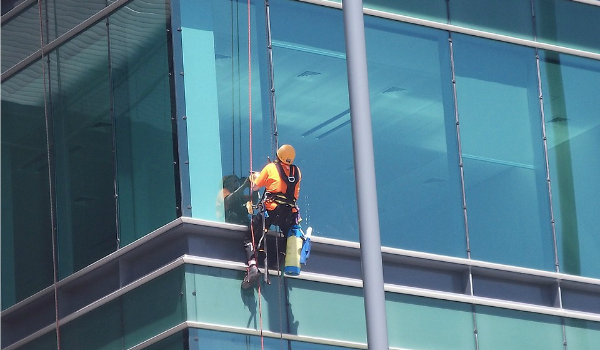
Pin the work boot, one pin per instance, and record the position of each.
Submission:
(252, 275)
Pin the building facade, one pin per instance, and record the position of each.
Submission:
(121, 120)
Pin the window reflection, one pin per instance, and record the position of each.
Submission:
(313, 113)
(504, 164)
(573, 131)
(26, 268)
(416, 152)
(83, 152)
(218, 113)
(566, 23)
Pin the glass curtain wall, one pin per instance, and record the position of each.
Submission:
(112, 120)
(414, 132)
(414, 118)
(83, 150)
(107, 117)
(502, 149)
(26, 224)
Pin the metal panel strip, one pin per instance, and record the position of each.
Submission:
(468, 31)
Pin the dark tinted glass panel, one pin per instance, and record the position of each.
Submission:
(573, 130)
(64, 15)
(83, 150)
(142, 113)
(175, 342)
(20, 36)
(152, 308)
(84, 332)
(45, 342)
(133, 318)
(26, 219)
(9, 5)
(568, 23)
(502, 148)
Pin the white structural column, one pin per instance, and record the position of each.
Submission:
(364, 165)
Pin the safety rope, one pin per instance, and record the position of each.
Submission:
(262, 341)
(51, 192)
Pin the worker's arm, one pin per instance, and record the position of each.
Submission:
(260, 179)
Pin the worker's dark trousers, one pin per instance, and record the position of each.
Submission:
(281, 216)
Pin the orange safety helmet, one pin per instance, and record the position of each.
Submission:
(286, 154)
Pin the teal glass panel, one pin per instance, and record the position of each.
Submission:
(214, 296)
(26, 218)
(20, 37)
(568, 23)
(573, 131)
(142, 108)
(344, 318)
(432, 10)
(509, 329)
(582, 334)
(206, 339)
(83, 150)
(153, 308)
(414, 136)
(313, 112)
(503, 155)
(45, 342)
(100, 329)
(507, 17)
(218, 73)
(411, 321)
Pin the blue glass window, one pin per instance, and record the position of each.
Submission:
(313, 112)
(414, 133)
(502, 149)
(217, 76)
(571, 106)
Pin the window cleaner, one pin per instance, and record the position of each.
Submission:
(281, 180)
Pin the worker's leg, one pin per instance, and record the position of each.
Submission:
(250, 245)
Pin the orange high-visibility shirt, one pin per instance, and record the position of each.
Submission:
(269, 178)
